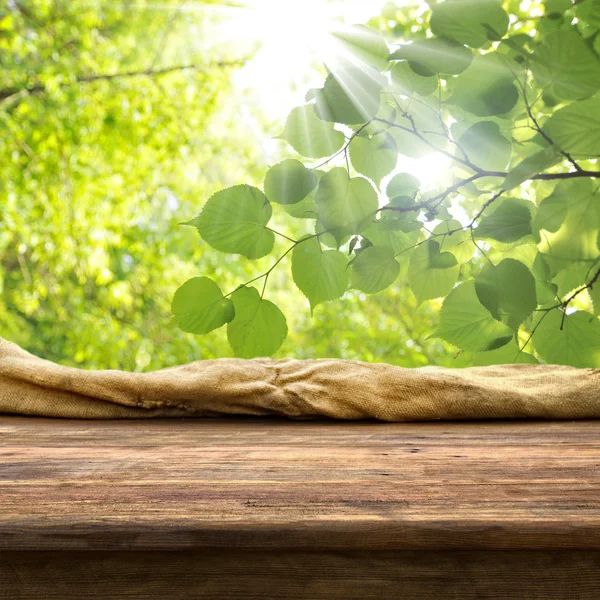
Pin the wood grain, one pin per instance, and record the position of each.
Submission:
(269, 485)
(298, 575)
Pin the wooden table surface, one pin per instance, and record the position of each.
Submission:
(271, 484)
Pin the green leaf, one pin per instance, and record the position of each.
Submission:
(557, 7)
(259, 327)
(540, 267)
(345, 205)
(431, 273)
(405, 221)
(569, 220)
(321, 275)
(576, 344)
(307, 207)
(573, 277)
(459, 243)
(403, 184)
(589, 11)
(486, 146)
(427, 122)
(576, 128)
(365, 45)
(565, 66)
(530, 166)
(374, 269)
(545, 291)
(468, 325)
(407, 82)
(289, 182)
(594, 293)
(471, 22)
(199, 306)
(507, 290)
(486, 88)
(509, 222)
(506, 355)
(551, 213)
(387, 233)
(435, 55)
(349, 96)
(374, 157)
(234, 220)
(310, 136)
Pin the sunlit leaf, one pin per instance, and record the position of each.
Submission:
(307, 207)
(406, 81)
(569, 221)
(321, 275)
(310, 136)
(350, 95)
(458, 242)
(568, 339)
(402, 184)
(365, 45)
(486, 146)
(431, 273)
(530, 166)
(589, 10)
(566, 67)
(557, 7)
(374, 269)
(258, 328)
(387, 233)
(508, 222)
(199, 306)
(486, 88)
(234, 220)
(426, 120)
(576, 128)
(345, 205)
(472, 22)
(468, 325)
(574, 276)
(374, 157)
(507, 290)
(506, 355)
(428, 57)
(289, 182)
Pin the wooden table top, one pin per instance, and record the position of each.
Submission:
(269, 483)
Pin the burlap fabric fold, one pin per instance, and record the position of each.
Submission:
(339, 389)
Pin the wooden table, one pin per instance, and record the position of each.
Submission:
(269, 509)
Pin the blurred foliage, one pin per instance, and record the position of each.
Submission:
(107, 143)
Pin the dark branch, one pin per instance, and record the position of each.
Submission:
(39, 88)
(482, 173)
(540, 130)
(432, 201)
(415, 132)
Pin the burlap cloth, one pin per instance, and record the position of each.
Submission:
(340, 389)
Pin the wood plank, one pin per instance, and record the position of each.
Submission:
(297, 575)
(272, 484)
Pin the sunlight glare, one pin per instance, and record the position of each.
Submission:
(293, 40)
(290, 40)
(431, 170)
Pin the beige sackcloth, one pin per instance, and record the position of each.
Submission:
(339, 389)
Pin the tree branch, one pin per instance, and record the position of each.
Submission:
(440, 197)
(344, 149)
(482, 173)
(38, 88)
(415, 132)
(537, 127)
